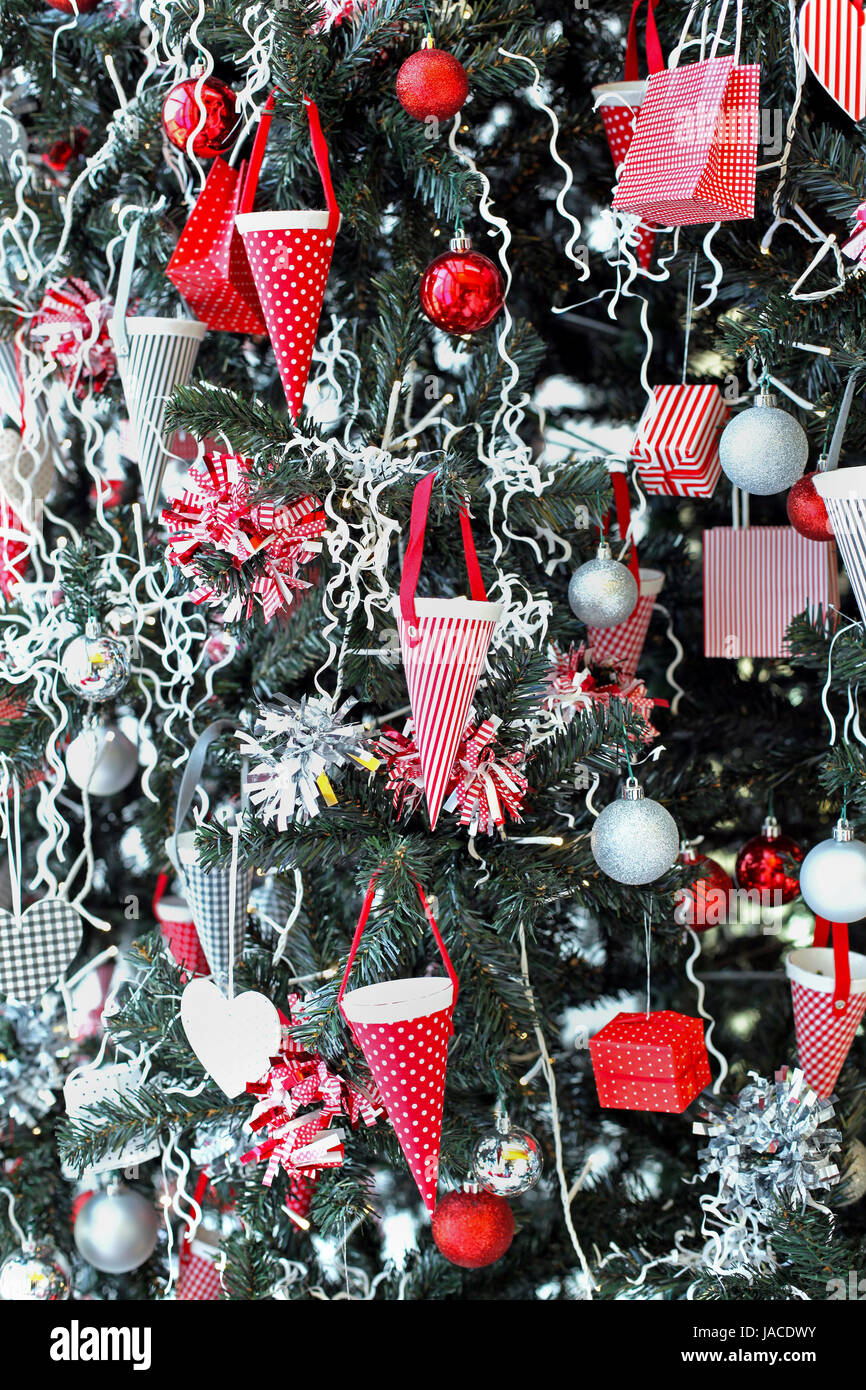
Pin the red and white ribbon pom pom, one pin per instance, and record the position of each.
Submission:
(335, 11)
(855, 247)
(572, 686)
(216, 511)
(399, 753)
(488, 786)
(70, 327)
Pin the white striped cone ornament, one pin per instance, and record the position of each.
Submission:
(208, 892)
(162, 355)
(844, 493)
(824, 1033)
(622, 646)
(443, 660)
(833, 38)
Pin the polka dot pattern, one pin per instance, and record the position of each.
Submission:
(657, 1062)
(290, 265)
(209, 264)
(408, 1061)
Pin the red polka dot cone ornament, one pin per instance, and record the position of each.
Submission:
(403, 1028)
(290, 255)
(444, 644)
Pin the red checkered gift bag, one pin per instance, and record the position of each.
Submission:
(676, 447)
(178, 928)
(756, 579)
(621, 647)
(694, 154)
(619, 104)
(828, 989)
(209, 265)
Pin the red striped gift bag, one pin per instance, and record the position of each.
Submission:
(756, 579)
(444, 644)
(676, 446)
(833, 38)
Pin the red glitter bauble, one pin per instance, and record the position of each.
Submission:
(462, 290)
(807, 510)
(764, 863)
(704, 903)
(67, 7)
(432, 83)
(182, 111)
(473, 1229)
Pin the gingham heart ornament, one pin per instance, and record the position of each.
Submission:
(234, 1039)
(36, 949)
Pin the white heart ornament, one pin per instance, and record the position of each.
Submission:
(833, 38)
(35, 951)
(234, 1039)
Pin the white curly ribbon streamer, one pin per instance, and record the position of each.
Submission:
(700, 991)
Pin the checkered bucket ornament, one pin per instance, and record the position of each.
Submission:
(154, 355)
(403, 1028)
(217, 897)
(175, 919)
(444, 644)
(828, 989)
(621, 647)
(290, 255)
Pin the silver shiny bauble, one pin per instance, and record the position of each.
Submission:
(508, 1160)
(764, 449)
(116, 1231)
(95, 666)
(833, 876)
(603, 592)
(635, 840)
(102, 760)
(38, 1274)
(853, 1184)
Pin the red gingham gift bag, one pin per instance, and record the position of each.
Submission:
(290, 255)
(619, 104)
(209, 265)
(828, 989)
(403, 1028)
(756, 579)
(694, 154)
(676, 447)
(444, 644)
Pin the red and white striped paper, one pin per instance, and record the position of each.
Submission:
(694, 154)
(833, 38)
(676, 446)
(756, 579)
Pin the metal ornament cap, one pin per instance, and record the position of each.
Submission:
(603, 592)
(833, 877)
(460, 242)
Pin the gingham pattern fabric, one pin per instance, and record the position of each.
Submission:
(162, 355)
(621, 647)
(207, 892)
(209, 265)
(824, 1034)
(694, 153)
(182, 940)
(442, 672)
(848, 519)
(756, 579)
(833, 38)
(198, 1278)
(676, 446)
(35, 953)
(618, 116)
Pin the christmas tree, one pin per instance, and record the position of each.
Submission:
(311, 315)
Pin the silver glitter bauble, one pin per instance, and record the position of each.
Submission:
(603, 592)
(101, 760)
(95, 666)
(508, 1160)
(764, 449)
(635, 840)
(833, 876)
(116, 1231)
(37, 1274)
(853, 1184)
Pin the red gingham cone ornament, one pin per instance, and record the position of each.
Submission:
(444, 644)
(198, 1278)
(290, 256)
(178, 928)
(828, 990)
(403, 1028)
(620, 647)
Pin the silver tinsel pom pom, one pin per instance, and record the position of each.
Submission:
(833, 876)
(38, 1274)
(508, 1160)
(603, 592)
(764, 449)
(635, 840)
(116, 1231)
(95, 666)
(853, 1184)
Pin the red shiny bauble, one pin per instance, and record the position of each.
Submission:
(764, 863)
(181, 113)
(83, 6)
(432, 83)
(462, 291)
(472, 1229)
(807, 510)
(704, 903)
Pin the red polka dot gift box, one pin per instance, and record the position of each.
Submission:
(655, 1061)
(403, 1028)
